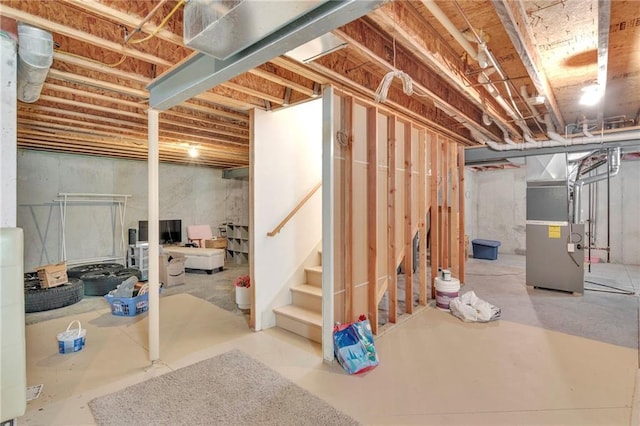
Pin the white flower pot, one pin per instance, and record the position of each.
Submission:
(243, 297)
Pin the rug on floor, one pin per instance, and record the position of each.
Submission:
(231, 388)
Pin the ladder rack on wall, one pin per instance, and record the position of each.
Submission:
(79, 197)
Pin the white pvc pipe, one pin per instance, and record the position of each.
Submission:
(154, 237)
(612, 137)
(448, 25)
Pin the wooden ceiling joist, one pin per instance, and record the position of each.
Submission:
(119, 17)
(55, 27)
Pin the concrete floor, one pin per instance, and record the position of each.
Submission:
(434, 369)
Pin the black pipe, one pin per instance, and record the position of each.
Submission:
(608, 208)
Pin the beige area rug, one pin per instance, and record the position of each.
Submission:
(229, 389)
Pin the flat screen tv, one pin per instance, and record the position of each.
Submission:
(170, 231)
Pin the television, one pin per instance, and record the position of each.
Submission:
(170, 231)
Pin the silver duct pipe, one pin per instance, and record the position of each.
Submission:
(612, 137)
(35, 56)
(612, 170)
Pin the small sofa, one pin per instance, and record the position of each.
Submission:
(207, 259)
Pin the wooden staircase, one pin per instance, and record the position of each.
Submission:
(304, 315)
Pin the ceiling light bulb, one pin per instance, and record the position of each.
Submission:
(193, 152)
(591, 95)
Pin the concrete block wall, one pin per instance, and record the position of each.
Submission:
(195, 195)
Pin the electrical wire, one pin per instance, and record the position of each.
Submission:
(127, 42)
(161, 26)
(383, 88)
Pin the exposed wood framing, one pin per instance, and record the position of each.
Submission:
(422, 215)
(445, 219)
(461, 198)
(372, 212)
(436, 148)
(391, 223)
(408, 26)
(454, 230)
(408, 223)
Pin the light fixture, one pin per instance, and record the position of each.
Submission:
(591, 95)
(193, 152)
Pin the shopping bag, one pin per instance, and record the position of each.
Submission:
(354, 347)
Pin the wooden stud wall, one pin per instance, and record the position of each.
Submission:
(391, 173)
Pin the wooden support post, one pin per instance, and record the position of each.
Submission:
(347, 112)
(454, 230)
(422, 216)
(436, 145)
(391, 227)
(372, 215)
(445, 204)
(408, 225)
(461, 195)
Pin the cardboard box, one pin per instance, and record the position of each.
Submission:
(52, 275)
(216, 243)
(172, 270)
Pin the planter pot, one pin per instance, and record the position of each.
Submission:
(243, 297)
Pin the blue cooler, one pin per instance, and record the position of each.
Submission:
(485, 249)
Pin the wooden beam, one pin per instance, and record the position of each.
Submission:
(372, 212)
(516, 23)
(454, 229)
(96, 8)
(208, 97)
(461, 205)
(391, 223)
(408, 27)
(445, 204)
(435, 209)
(252, 92)
(375, 47)
(408, 225)
(82, 36)
(259, 72)
(422, 216)
(100, 84)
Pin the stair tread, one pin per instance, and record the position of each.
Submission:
(309, 289)
(301, 314)
(314, 268)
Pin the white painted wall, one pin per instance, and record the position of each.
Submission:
(501, 211)
(8, 144)
(287, 164)
(196, 195)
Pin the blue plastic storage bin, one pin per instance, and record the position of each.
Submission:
(128, 306)
(485, 249)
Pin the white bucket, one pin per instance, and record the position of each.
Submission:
(71, 340)
(445, 291)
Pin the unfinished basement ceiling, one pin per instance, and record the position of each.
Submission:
(95, 99)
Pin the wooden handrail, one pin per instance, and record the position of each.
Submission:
(294, 211)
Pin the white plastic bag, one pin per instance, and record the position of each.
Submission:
(470, 308)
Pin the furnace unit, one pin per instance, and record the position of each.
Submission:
(555, 246)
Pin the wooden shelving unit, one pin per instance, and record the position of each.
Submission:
(237, 243)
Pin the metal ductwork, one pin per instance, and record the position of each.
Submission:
(222, 28)
(613, 159)
(35, 56)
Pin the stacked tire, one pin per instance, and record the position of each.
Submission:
(84, 280)
(37, 299)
